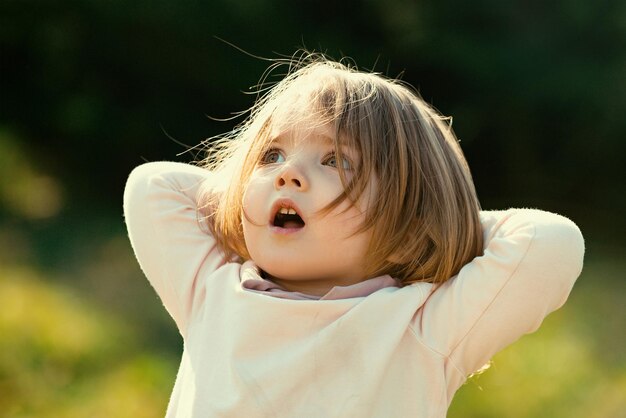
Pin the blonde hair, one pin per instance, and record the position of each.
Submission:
(424, 217)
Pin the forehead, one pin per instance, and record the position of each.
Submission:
(295, 133)
(311, 110)
(303, 123)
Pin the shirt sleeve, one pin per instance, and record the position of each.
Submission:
(165, 231)
(530, 263)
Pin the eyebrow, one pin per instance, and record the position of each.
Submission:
(281, 138)
(349, 150)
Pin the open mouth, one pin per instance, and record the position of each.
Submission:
(288, 218)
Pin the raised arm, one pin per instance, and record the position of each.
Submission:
(531, 261)
(164, 228)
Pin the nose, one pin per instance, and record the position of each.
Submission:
(290, 175)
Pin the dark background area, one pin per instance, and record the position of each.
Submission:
(89, 89)
(537, 91)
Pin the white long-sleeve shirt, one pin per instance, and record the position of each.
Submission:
(396, 352)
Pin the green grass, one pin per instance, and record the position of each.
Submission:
(61, 357)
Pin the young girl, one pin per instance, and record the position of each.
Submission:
(330, 258)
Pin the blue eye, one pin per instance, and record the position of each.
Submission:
(331, 161)
(272, 156)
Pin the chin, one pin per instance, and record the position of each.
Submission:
(293, 274)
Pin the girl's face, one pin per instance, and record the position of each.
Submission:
(285, 234)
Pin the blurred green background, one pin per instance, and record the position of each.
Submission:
(89, 89)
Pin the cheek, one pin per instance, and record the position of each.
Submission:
(344, 221)
(254, 197)
(250, 219)
(247, 201)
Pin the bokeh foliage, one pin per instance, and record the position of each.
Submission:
(91, 88)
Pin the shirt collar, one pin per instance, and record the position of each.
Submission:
(252, 280)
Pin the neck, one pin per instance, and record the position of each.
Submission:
(313, 287)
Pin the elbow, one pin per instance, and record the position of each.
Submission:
(570, 247)
(577, 249)
(563, 241)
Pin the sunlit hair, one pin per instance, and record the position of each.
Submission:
(424, 216)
